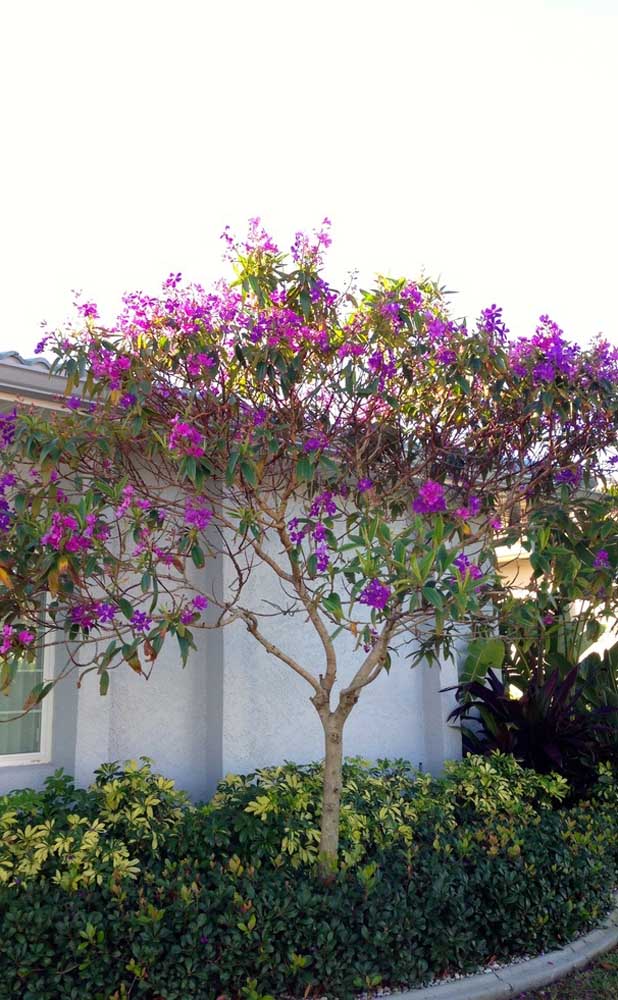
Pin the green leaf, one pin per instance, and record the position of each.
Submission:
(126, 607)
(231, 467)
(249, 471)
(482, 654)
(433, 596)
(332, 603)
(304, 469)
(103, 682)
(197, 555)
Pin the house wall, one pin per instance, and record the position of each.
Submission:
(233, 708)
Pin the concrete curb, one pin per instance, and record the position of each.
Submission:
(532, 974)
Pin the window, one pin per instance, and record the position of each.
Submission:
(26, 740)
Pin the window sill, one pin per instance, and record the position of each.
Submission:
(17, 759)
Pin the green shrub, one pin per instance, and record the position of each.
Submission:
(440, 874)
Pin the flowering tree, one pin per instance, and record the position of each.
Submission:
(363, 450)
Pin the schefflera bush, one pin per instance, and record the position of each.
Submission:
(360, 451)
(441, 874)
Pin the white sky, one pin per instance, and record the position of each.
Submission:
(475, 139)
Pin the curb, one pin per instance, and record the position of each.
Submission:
(511, 980)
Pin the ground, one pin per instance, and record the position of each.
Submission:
(598, 981)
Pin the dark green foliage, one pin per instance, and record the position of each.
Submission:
(548, 728)
(491, 865)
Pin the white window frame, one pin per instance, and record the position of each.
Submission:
(44, 754)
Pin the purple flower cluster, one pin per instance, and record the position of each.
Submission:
(296, 534)
(6, 513)
(61, 530)
(308, 251)
(315, 443)
(185, 439)
(109, 367)
(24, 637)
(64, 533)
(88, 310)
(492, 323)
(471, 509)
(412, 297)
(569, 477)
(547, 352)
(322, 557)
(93, 613)
(323, 504)
(601, 560)
(464, 566)
(430, 499)
(8, 423)
(375, 594)
(200, 364)
(140, 621)
(197, 513)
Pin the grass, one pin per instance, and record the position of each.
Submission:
(598, 981)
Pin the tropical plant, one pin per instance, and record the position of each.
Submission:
(352, 454)
(546, 728)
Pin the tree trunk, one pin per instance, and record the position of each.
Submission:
(331, 799)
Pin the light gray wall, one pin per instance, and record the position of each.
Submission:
(268, 717)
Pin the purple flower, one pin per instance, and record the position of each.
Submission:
(61, 531)
(363, 485)
(85, 615)
(569, 476)
(446, 355)
(106, 612)
(8, 479)
(73, 403)
(323, 504)
(491, 322)
(197, 514)
(296, 534)
(430, 499)
(601, 560)
(200, 602)
(412, 296)
(319, 532)
(186, 617)
(375, 595)
(185, 439)
(25, 637)
(6, 515)
(322, 558)
(140, 621)
(88, 310)
(470, 510)
(464, 566)
(545, 371)
(7, 636)
(8, 422)
(315, 443)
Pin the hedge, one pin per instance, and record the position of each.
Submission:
(126, 890)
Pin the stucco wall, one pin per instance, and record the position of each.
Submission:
(268, 717)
